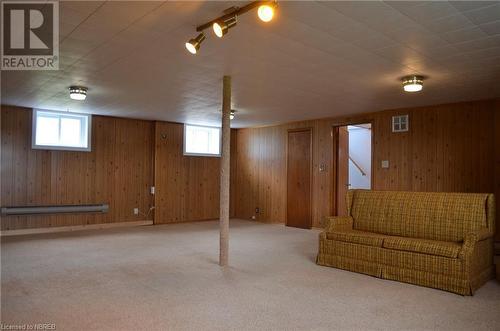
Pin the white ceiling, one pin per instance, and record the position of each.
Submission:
(316, 59)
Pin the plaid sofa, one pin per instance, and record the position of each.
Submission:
(439, 240)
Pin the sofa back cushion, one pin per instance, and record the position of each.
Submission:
(427, 215)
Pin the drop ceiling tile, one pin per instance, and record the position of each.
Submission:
(365, 13)
(442, 52)
(76, 47)
(328, 20)
(65, 29)
(484, 15)
(90, 34)
(66, 61)
(400, 54)
(374, 40)
(448, 24)
(120, 14)
(402, 4)
(416, 37)
(484, 53)
(184, 12)
(71, 16)
(383, 18)
(431, 69)
(492, 29)
(483, 43)
(465, 6)
(427, 10)
(115, 16)
(463, 35)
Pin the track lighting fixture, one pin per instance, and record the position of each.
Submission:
(413, 83)
(266, 11)
(193, 45)
(222, 24)
(221, 27)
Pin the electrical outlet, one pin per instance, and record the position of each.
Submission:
(152, 190)
(385, 164)
(136, 211)
(253, 217)
(257, 210)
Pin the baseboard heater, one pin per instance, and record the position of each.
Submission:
(61, 209)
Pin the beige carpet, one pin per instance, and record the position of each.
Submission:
(167, 278)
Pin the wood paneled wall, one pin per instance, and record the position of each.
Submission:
(453, 147)
(117, 171)
(496, 169)
(261, 172)
(187, 187)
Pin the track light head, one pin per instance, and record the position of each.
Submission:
(193, 45)
(266, 11)
(222, 27)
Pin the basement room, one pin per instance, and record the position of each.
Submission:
(250, 165)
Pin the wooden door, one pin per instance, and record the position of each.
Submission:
(342, 169)
(299, 167)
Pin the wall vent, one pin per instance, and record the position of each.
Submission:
(400, 123)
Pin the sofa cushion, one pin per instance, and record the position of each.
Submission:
(432, 247)
(357, 237)
(426, 215)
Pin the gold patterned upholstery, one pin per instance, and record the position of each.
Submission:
(432, 247)
(440, 240)
(357, 237)
(435, 216)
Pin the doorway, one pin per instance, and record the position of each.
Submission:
(352, 162)
(299, 178)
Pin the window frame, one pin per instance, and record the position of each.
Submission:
(201, 154)
(60, 114)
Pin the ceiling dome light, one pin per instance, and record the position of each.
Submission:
(77, 92)
(193, 45)
(413, 83)
(222, 27)
(266, 11)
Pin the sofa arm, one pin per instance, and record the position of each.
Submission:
(338, 223)
(470, 241)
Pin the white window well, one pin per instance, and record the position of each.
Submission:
(202, 140)
(61, 130)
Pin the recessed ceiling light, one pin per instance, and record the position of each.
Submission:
(193, 45)
(77, 92)
(222, 27)
(266, 11)
(413, 83)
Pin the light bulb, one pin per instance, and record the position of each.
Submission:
(266, 12)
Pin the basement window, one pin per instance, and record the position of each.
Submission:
(202, 140)
(61, 130)
(400, 123)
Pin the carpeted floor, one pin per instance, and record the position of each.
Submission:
(167, 278)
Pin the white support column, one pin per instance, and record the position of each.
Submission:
(224, 172)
